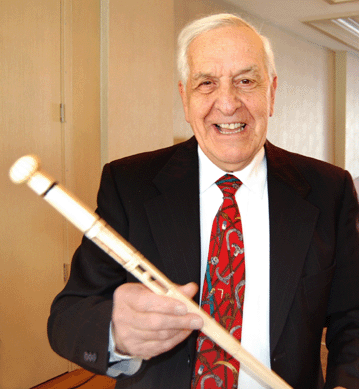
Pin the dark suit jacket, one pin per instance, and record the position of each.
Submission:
(152, 200)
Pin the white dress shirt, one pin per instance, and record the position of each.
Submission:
(252, 199)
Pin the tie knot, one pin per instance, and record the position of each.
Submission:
(229, 184)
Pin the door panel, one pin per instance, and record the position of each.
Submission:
(32, 235)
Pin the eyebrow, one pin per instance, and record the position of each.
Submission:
(249, 69)
(198, 76)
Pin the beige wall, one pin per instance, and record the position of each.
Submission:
(346, 111)
(352, 115)
(83, 112)
(140, 76)
(303, 121)
(81, 96)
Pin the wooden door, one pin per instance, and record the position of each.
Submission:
(32, 235)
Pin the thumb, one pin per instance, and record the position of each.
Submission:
(189, 289)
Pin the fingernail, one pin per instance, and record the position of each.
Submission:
(196, 324)
(180, 310)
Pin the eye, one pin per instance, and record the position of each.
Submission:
(205, 83)
(245, 81)
(205, 86)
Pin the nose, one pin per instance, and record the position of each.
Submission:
(227, 100)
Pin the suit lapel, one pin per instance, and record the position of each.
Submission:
(174, 215)
(292, 223)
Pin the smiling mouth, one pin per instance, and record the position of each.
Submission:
(230, 129)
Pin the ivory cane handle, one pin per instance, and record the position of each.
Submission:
(27, 169)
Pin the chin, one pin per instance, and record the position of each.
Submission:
(235, 163)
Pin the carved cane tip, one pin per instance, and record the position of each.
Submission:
(24, 168)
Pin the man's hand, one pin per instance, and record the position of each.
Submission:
(146, 325)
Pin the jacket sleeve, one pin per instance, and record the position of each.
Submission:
(78, 326)
(343, 309)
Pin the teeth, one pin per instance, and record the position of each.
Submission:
(232, 126)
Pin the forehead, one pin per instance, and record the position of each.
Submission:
(226, 49)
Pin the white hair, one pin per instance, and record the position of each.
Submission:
(208, 23)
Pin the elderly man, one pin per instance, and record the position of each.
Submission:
(268, 236)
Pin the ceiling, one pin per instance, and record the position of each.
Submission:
(294, 15)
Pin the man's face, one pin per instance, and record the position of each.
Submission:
(228, 97)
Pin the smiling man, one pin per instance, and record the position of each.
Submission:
(229, 95)
(267, 237)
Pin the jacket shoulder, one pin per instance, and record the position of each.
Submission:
(145, 166)
(311, 169)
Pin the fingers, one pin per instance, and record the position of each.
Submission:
(141, 299)
(145, 324)
(149, 348)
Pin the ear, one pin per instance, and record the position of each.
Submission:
(273, 89)
(182, 91)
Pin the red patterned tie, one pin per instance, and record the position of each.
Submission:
(223, 292)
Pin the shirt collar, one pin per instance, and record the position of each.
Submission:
(253, 176)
